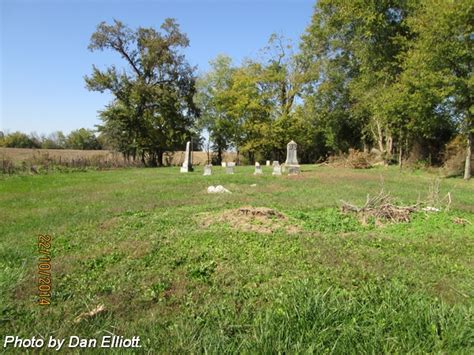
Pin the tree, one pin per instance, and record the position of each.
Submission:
(83, 139)
(359, 48)
(249, 111)
(251, 107)
(211, 89)
(20, 140)
(56, 140)
(153, 108)
(438, 73)
(284, 73)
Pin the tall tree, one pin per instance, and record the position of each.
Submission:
(249, 109)
(153, 108)
(210, 98)
(359, 46)
(438, 75)
(284, 73)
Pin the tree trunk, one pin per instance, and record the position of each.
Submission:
(219, 155)
(467, 166)
(389, 147)
(384, 140)
(159, 157)
(400, 156)
(380, 137)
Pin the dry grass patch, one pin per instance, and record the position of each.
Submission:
(251, 219)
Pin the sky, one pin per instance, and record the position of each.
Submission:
(44, 55)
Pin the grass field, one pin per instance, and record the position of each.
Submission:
(142, 242)
(60, 156)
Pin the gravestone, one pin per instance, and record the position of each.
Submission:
(188, 159)
(223, 164)
(207, 170)
(293, 170)
(258, 169)
(276, 168)
(229, 169)
(291, 162)
(269, 162)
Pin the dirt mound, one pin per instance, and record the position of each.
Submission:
(260, 211)
(251, 219)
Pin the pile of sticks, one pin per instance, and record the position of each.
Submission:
(381, 208)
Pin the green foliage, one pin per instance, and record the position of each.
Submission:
(83, 139)
(392, 74)
(153, 109)
(19, 140)
(438, 69)
(210, 98)
(56, 140)
(251, 107)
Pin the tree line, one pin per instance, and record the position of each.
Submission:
(393, 76)
(83, 139)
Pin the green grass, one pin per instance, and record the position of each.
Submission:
(132, 240)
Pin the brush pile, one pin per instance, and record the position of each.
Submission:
(381, 208)
(358, 160)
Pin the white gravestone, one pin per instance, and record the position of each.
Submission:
(229, 169)
(258, 169)
(224, 164)
(276, 168)
(207, 170)
(188, 159)
(269, 162)
(291, 162)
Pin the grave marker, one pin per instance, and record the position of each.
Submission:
(230, 168)
(291, 162)
(207, 170)
(188, 159)
(276, 168)
(258, 169)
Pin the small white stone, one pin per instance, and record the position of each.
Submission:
(217, 189)
(431, 209)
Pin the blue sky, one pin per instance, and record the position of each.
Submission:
(44, 54)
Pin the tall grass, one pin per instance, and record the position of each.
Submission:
(307, 317)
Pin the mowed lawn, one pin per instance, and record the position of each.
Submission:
(142, 242)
